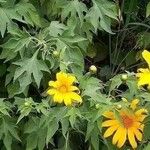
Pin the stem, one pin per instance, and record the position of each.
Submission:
(115, 52)
(110, 61)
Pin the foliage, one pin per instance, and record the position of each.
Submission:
(38, 38)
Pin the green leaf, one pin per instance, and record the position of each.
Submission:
(147, 147)
(95, 140)
(2, 69)
(42, 107)
(51, 129)
(132, 85)
(32, 125)
(90, 85)
(72, 59)
(146, 134)
(41, 139)
(24, 112)
(8, 13)
(100, 14)
(36, 135)
(10, 74)
(25, 108)
(19, 40)
(17, 43)
(8, 127)
(74, 8)
(4, 108)
(74, 39)
(2, 1)
(6, 16)
(65, 126)
(73, 113)
(144, 40)
(56, 29)
(148, 10)
(8, 54)
(32, 140)
(90, 127)
(105, 24)
(7, 141)
(115, 82)
(13, 89)
(28, 67)
(13, 132)
(28, 11)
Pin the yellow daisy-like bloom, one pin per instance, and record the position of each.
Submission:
(129, 126)
(144, 73)
(63, 89)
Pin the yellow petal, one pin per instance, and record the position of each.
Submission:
(108, 114)
(67, 100)
(143, 70)
(73, 88)
(136, 124)
(58, 97)
(138, 134)
(117, 135)
(61, 76)
(141, 118)
(122, 138)
(131, 138)
(143, 77)
(51, 91)
(110, 131)
(141, 127)
(141, 114)
(134, 103)
(141, 111)
(109, 123)
(53, 84)
(71, 79)
(146, 56)
(75, 96)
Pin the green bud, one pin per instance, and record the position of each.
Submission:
(97, 106)
(124, 100)
(119, 107)
(27, 104)
(93, 69)
(124, 77)
(56, 53)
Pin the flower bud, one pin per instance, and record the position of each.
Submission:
(93, 69)
(27, 104)
(97, 106)
(118, 106)
(124, 100)
(55, 53)
(124, 77)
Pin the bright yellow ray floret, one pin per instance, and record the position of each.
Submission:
(63, 89)
(143, 74)
(128, 127)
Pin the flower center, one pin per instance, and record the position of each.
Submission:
(127, 121)
(63, 89)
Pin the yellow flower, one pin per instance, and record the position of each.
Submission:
(129, 126)
(63, 89)
(144, 73)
